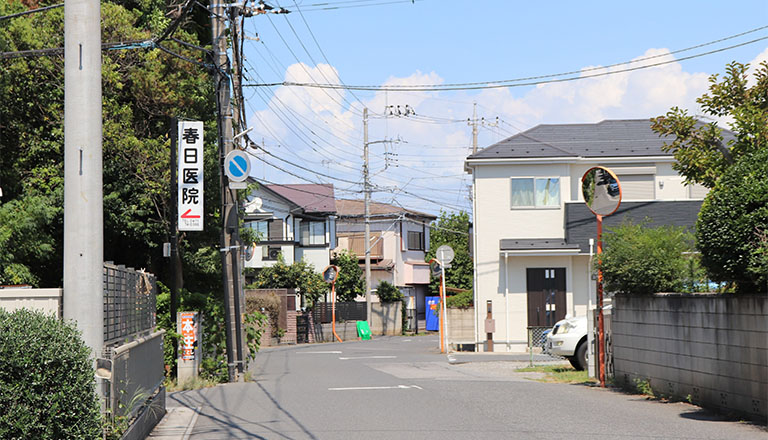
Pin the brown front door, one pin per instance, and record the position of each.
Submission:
(546, 296)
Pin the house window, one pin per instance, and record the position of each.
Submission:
(312, 233)
(415, 241)
(529, 192)
(267, 229)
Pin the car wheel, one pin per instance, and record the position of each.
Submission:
(579, 361)
(574, 362)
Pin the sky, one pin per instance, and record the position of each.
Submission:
(315, 135)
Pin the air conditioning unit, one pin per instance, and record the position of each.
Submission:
(274, 253)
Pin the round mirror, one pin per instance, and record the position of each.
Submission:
(330, 273)
(601, 190)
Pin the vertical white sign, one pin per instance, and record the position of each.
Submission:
(190, 176)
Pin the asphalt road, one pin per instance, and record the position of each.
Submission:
(403, 388)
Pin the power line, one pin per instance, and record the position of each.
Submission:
(329, 6)
(31, 11)
(516, 82)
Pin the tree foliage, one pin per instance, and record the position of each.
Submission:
(452, 229)
(300, 275)
(703, 154)
(640, 259)
(350, 282)
(388, 292)
(46, 379)
(142, 90)
(733, 222)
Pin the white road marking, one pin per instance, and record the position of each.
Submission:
(407, 340)
(396, 387)
(318, 352)
(367, 357)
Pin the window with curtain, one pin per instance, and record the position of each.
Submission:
(529, 192)
(415, 241)
(267, 229)
(312, 233)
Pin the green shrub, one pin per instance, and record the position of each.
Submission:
(462, 300)
(388, 293)
(732, 224)
(46, 380)
(640, 259)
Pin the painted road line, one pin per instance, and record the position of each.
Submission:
(396, 387)
(318, 352)
(367, 357)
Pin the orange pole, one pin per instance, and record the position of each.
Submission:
(600, 318)
(442, 320)
(333, 311)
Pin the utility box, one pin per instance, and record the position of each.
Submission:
(490, 326)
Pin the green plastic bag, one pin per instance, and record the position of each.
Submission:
(363, 331)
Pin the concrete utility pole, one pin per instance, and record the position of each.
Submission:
(367, 191)
(83, 193)
(229, 225)
(474, 122)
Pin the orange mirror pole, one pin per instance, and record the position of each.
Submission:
(600, 317)
(333, 310)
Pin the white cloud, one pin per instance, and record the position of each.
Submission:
(437, 147)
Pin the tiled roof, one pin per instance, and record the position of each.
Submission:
(609, 138)
(313, 198)
(354, 208)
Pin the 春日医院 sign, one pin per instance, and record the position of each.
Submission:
(190, 176)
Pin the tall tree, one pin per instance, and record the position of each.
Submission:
(142, 90)
(350, 282)
(452, 229)
(703, 154)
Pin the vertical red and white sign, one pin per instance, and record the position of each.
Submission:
(190, 176)
(188, 323)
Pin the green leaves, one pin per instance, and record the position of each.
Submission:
(702, 153)
(732, 224)
(452, 229)
(350, 283)
(46, 379)
(640, 259)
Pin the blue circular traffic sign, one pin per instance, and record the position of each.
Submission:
(237, 166)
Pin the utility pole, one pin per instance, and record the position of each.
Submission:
(367, 191)
(83, 193)
(221, 76)
(474, 128)
(474, 123)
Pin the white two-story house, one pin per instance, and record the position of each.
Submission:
(532, 228)
(399, 242)
(295, 221)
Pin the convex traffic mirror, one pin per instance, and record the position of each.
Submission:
(601, 190)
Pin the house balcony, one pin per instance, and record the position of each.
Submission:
(356, 243)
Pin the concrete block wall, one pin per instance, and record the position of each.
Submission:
(386, 318)
(45, 300)
(461, 325)
(709, 349)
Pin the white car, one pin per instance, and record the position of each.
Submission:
(568, 339)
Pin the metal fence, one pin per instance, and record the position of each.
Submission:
(129, 302)
(345, 311)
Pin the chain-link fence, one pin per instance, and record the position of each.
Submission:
(537, 346)
(129, 302)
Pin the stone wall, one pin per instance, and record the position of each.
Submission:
(711, 350)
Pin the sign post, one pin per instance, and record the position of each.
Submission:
(188, 325)
(190, 191)
(444, 255)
